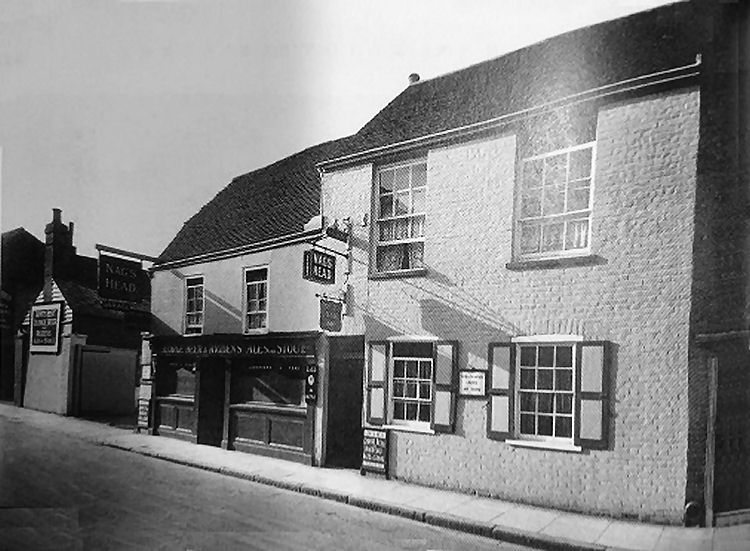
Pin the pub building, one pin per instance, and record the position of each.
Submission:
(554, 284)
(247, 303)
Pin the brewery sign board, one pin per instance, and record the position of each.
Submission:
(46, 325)
(375, 451)
(319, 267)
(121, 279)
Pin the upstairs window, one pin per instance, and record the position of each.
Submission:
(555, 203)
(401, 200)
(256, 300)
(194, 305)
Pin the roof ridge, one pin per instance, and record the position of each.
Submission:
(543, 40)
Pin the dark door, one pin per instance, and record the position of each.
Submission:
(211, 403)
(344, 435)
(732, 471)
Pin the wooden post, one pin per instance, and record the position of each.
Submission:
(20, 359)
(153, 427)
(708, 482)
(227, 401)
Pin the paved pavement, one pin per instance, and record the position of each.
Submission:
(506, 521)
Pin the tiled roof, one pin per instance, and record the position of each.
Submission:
(279, 199)
(587, 58)
(270, 202)
(84, 298)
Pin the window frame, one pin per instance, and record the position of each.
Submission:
(390, 395)
(574, 392)
(186, 326)
(246, 329)
(565, 216)
(376, 241)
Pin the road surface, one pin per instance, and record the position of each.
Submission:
(58, 492)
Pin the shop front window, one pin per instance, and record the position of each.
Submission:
(176, 379)
(267, 387)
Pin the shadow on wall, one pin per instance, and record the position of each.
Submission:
(222, 317)
(447, 312)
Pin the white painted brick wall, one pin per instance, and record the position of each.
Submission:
(638, 298)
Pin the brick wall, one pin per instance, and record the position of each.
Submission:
(637, 296)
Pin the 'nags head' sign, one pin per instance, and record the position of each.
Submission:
(122, 279)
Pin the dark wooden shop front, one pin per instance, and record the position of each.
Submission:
(259, 394)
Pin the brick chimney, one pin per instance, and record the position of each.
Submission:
(59, 251)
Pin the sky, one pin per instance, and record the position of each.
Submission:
(130, 115)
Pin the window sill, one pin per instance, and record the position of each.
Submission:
(416, 272)
(560, 262)
(539, 444)
(263, 331)
(405, 428)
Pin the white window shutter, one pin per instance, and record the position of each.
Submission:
(501, 365)
(594, 400)
(376, 375)
(445, 369)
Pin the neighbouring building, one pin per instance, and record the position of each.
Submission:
(550, 269)
(22, 277)
(247, 309)
(82, 332)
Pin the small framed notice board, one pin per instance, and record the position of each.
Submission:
(46, 330)
(375, 452)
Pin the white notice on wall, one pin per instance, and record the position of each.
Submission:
(472, 383)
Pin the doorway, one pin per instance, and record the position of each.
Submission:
(732, 470)
(211, 402)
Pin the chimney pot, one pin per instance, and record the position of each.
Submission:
(413, 78)
(56, 215)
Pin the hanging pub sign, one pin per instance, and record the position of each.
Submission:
(330, 315)
(46, 328)
(319, 266)
(122, 279)
(375, 452)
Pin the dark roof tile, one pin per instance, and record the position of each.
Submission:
(587, 58)
(270, 202)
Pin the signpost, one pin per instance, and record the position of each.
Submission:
(375, 452)
(46, 328)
